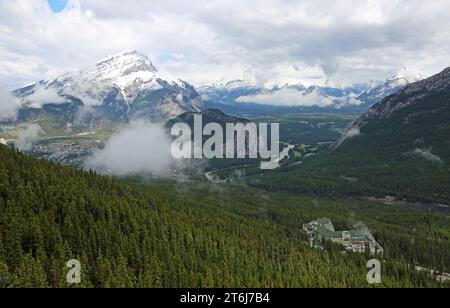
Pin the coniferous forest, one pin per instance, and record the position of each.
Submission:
(167, 235)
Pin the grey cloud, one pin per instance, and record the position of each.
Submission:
(350, 40)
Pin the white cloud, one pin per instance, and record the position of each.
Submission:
(289, 97)
(134, 151)
(354, 132)
(426, 154)
(42, 97)
(8, 105)
(351, 133)
(26, 138)
(274, 41)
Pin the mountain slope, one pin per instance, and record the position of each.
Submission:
(416, 115)
(400, 147)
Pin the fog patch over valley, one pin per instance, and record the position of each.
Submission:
(141, 148)
(8, 105)
(26, 138)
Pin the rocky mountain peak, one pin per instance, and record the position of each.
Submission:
(124, 63)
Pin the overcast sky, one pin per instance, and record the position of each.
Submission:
(268, 41)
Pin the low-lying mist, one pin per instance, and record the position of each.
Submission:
(26, 138)
(141, 148)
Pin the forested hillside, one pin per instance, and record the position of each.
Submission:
(132, 236)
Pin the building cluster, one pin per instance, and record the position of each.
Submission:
(68, 154)
(359, 241)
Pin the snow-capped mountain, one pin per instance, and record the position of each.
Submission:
(123, 86)
(391, 86)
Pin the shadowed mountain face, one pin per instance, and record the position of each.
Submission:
(121, 87)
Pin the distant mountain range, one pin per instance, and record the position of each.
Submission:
(241, 94)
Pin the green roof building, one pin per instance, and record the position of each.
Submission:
(354, 240)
